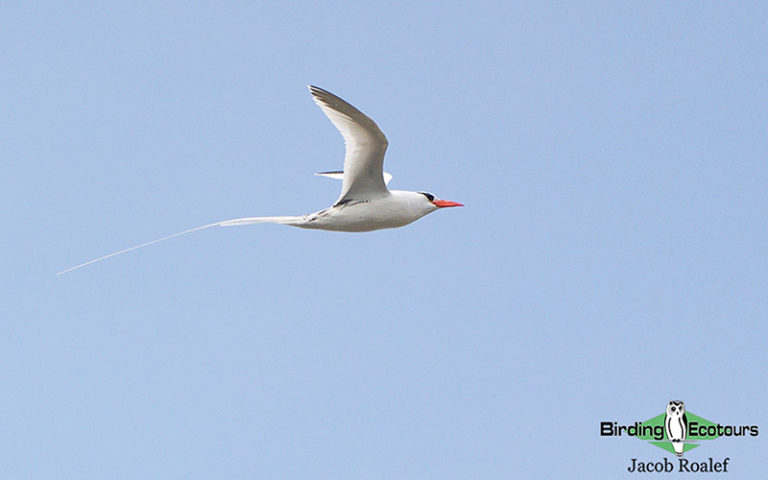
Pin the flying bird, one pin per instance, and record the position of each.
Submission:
(365, 202)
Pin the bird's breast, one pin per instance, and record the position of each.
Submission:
(363, 216)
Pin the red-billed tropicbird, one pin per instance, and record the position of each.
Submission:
(365, 203)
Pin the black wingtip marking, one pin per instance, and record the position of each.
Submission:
(326, 97)
(317, 90)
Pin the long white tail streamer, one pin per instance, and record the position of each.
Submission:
(225, 223)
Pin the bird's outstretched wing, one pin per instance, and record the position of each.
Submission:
(339, 175)
(365, 144)
(225, 223)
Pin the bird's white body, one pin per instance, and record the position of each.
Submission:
(396, 208)
(365, 203)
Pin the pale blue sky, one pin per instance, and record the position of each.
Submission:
(611, 256)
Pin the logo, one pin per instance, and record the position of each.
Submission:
(677, 431)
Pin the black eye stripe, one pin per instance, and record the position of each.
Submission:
(429, 196)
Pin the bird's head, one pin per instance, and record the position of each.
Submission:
(440, 203)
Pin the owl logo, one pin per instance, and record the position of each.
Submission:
(676, 425)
